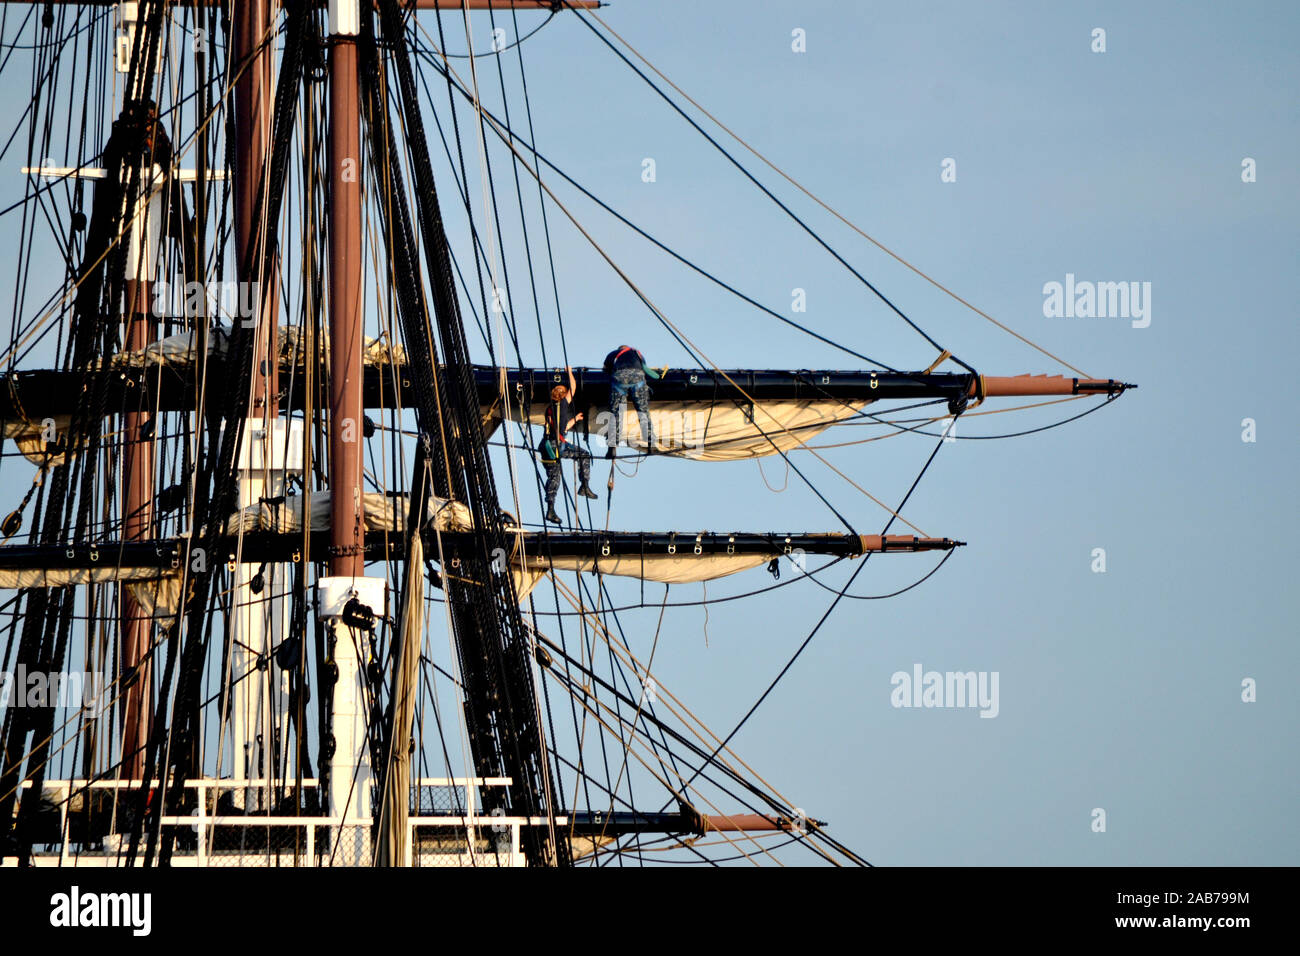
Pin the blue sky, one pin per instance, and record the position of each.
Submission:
(1119, 691)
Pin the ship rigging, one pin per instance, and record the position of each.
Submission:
(259, 521)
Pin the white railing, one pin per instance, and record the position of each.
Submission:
(468, 828)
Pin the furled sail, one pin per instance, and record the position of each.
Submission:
(670, 558)
(382, 513)
(715, 431)
(663, 568)
(157, 593)
(702, 414)
(33, 439)
(180, 350)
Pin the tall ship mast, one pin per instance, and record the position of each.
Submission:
(280, 572)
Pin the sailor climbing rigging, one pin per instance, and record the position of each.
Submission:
(627, 373)
(560, 417)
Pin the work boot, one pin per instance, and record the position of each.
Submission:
(586, 492)
(551, 516)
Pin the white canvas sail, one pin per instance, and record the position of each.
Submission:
(718, 431)
(663, 568)
(382, 513)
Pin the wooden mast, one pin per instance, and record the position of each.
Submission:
(347, 542)
(138, 460)
(252, 25)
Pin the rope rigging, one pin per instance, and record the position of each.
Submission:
(615, 748)
(798, 185)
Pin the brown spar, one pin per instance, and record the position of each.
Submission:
(253, 109)
(138, 461)
(137, 525)
(749, 823)
(347, 537)
(1001, 386)
(905, 542)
